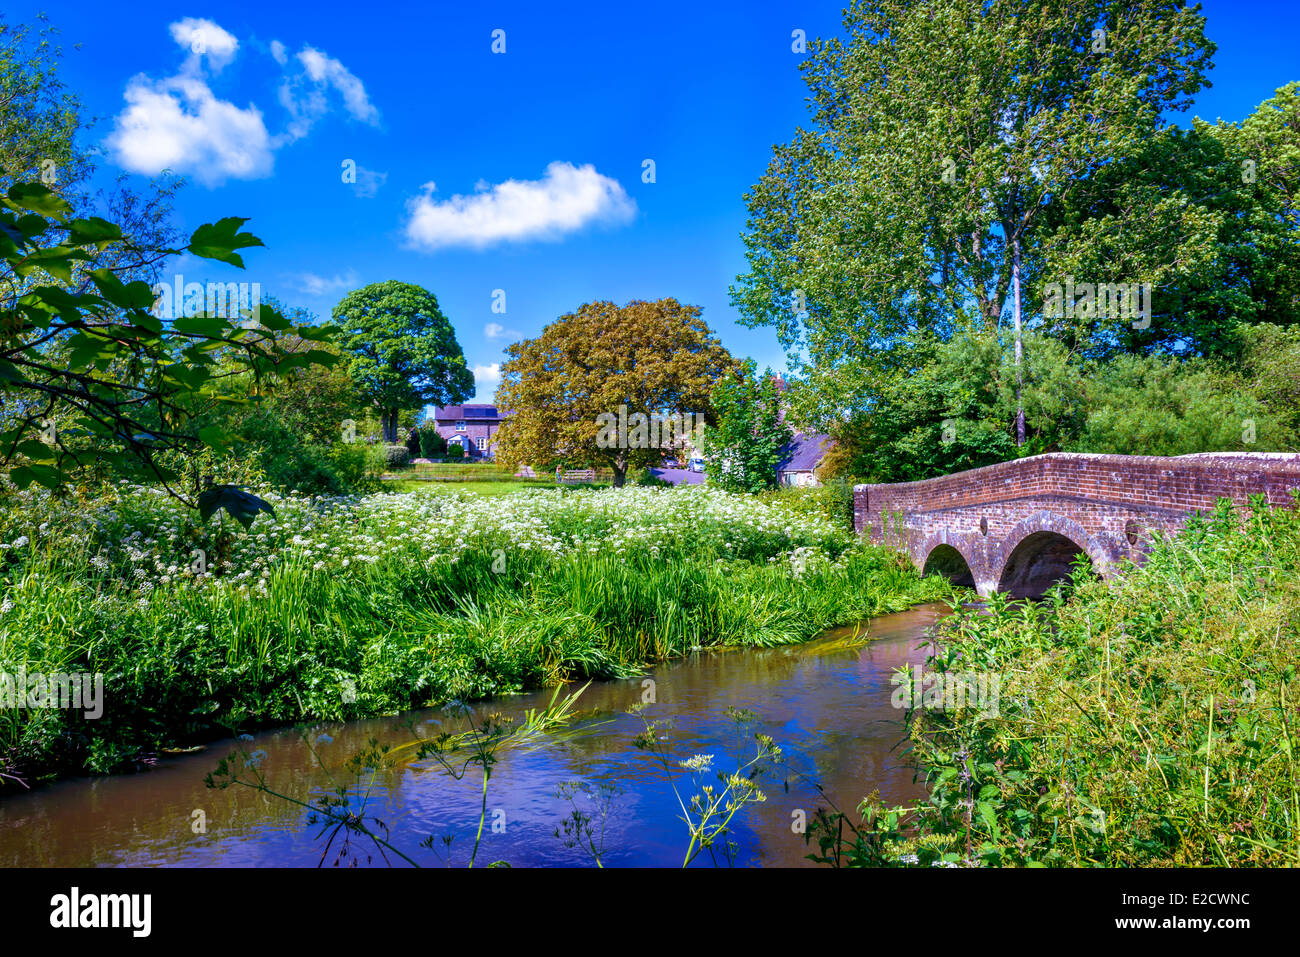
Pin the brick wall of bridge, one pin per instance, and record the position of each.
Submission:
(1106, 504)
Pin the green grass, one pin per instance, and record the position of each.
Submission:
(396, 602)
(475, 487)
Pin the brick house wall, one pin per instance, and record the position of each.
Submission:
(474, 427)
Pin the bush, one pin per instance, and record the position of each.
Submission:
(432, 445)
(357, 466)
(832, 501)
(397, 456)
(455, 453)
(646, 479)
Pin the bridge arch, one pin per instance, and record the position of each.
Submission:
(945, 559)
(1039, 551)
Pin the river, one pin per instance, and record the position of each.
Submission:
(826, 703)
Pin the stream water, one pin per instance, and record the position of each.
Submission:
(826, 703)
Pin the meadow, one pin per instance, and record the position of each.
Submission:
(353, 606)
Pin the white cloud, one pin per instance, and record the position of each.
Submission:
(368, 182)
(178, 124)
(304, 94)
(567, 198)
(314, 285)
(325, 69)
(205, 38)
(494, 330)
(486, 380)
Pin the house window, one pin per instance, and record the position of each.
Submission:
(460, 426)
(482, 444)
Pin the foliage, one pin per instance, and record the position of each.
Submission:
(746, 445)
(319, 404)
(39, 117)
(948, 147)
(412, 598)
(99, 380)
(956, 408)
(397, 456)
(645, 357)
(830, 502)
(432, 445)
(403, 351)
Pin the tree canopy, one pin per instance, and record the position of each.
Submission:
(644, 358)
(402, 350)
(950, 143)
(745, 446)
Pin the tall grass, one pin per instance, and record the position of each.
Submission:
(356, 607)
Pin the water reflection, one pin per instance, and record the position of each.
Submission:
(826, 703)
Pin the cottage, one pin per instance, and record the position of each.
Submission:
(472, 427)
(800, 458)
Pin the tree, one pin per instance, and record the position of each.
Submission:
(609, 385)
(91, 377)
(945, 135)
(39, 117)
(319, 402)
(403, 350)
(746, 445)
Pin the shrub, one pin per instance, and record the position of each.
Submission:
(455, 453)
(832, 501)
(357, 466)
(432, 445)
(397, 456)
(646, 479)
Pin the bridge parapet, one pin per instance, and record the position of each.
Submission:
(1014, 525)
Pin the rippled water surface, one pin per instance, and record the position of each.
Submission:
(826, 703)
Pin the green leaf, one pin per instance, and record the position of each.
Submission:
(207, 326)
(39, 199)
(219, 240)
(214, 436)
(135, 295)
(46, 475)
(93, 232)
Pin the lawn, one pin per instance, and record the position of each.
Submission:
(491, 487)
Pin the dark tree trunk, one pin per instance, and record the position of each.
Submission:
(388, 422)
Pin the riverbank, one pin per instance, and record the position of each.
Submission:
(343, 608)
(1148, 721)
(828, 701)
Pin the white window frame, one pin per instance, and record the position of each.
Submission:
(482, 443)
(460, 426)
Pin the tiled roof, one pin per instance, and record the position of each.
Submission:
(804, 452)
(467, 412)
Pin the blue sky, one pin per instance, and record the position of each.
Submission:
(263, 119)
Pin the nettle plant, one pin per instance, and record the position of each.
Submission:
(93, 380)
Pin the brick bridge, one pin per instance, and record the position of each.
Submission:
(1016, 526)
